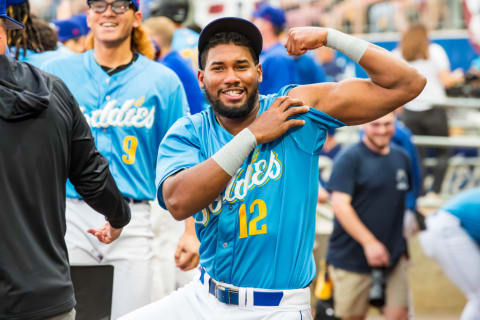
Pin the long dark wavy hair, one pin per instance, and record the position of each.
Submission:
(27, 38)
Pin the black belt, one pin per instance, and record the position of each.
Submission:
(231, 295)
(134, 201)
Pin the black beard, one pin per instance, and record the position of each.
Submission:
(233, 112)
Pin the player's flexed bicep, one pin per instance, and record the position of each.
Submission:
(392, 81)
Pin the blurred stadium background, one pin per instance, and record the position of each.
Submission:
(454, 24)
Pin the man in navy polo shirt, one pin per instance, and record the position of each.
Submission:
(369, 183)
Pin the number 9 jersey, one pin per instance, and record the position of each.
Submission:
(129, 112)
(260, 231)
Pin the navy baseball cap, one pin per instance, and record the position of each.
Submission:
(276, 16)
(10, 23)
(230, 24)
(14, 2)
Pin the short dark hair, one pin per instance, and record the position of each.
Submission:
(225, 38)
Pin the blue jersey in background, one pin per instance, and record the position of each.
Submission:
(128, 112)
(278, 69)
(466, 207)
(184, 71)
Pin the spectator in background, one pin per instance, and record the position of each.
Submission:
(403, 139)
(333, 67)
(184, 39)
(419, 115)
(278, 68)
(452, 239)
(368, 228)
(308, 71)
(161, 30)
(37, 43)
(72, 33)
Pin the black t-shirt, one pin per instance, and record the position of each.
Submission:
(378, 185)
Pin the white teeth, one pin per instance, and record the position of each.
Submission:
(234, 93)
(108, 25)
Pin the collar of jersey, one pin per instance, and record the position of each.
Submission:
(121, 78)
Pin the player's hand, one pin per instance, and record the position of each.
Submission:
(186, 255)
(302, 39)
(274, 122)
(377, 254)
(106, 233)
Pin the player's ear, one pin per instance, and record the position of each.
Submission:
(259, 73)
(138, 19)
(200, 76)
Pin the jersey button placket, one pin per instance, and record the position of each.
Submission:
(226, 236)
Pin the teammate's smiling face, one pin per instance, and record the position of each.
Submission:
(379, 133)
(111, 28)
(230, 79)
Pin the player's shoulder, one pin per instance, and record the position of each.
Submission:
(193, 122)
(64, 64)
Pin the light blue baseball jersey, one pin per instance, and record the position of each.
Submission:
(129, 113)
(466, 207)
(260, 230)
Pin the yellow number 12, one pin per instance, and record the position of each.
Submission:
(252, 226)
(130, 144)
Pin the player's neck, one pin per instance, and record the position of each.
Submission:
(113, 56)
(375, 148)
(234, 125)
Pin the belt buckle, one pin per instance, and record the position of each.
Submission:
(218, 286)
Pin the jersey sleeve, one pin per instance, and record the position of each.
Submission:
(89, 171)
(342, 178)
(311, 136)
(179, 150)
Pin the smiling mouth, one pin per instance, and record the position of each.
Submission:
(108, 25)
(235, 93)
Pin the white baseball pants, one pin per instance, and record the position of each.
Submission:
(130, 254)
(166, 276)
(195, 302)
(459, 256)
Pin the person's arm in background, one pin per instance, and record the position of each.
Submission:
(90, 175)
(376, 253)
(187, 256)
(440, 58)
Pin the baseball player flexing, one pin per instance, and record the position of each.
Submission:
(247, 170)
(129, 102)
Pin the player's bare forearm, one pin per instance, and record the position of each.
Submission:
(193, 189)
(392, 82)
(348, 218)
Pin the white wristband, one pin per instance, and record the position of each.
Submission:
(231, 156)
(352, 47)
